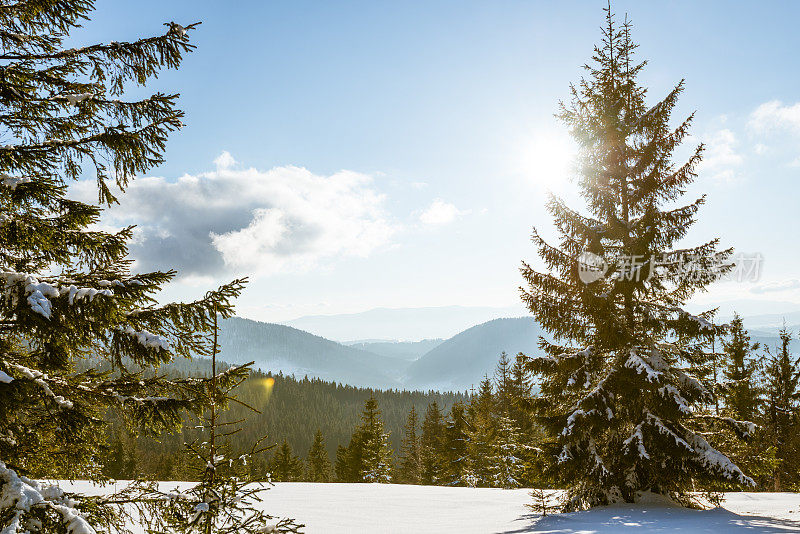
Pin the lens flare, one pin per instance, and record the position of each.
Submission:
(268, 384)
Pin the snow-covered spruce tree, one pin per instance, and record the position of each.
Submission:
(225, 499)
(622, 408)
(376, 456)
(506, 457)
(67, 290)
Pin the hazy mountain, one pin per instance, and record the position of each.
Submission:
(407, 324)
(453, 364)
(405, 350)
(464, 359)
(748, 308)
(772, 322)
(282, 348)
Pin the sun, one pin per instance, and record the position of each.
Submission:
(546, 159)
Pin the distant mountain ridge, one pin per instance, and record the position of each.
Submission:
(406, 350)
(464, 359)
(292, 351)
(402, 323)
(454, 364)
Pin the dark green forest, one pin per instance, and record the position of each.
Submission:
(323, 431)
(290, 409)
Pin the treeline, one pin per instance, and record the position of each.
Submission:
(491, 439)
(488, 437)
(483, 441)
(291, 410)
(760, 384)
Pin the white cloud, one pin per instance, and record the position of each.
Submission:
(721, 158)
(251, 221)
(777, 286)
(774, 115)
(760, 149)
(224, 160)
(440, 213)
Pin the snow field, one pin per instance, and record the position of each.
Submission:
(395, 509)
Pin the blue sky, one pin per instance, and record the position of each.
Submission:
(350, 155)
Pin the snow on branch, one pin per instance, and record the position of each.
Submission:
(704, 324)
(13, 181)
(668, 390)
(146, 339)
(39, 293)
(664, 429)
(711, 457)
(642, 366)
(41, 379)
(20, 495)
(639, 438)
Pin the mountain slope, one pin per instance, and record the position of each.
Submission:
(282, 348)
(405, 350)
(401, 323)
(464, 359)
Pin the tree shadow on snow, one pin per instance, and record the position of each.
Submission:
(613, 520)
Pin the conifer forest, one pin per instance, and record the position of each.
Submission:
(417, 267)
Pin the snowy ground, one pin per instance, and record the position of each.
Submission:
(390, 509)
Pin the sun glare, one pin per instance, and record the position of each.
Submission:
(545, 159)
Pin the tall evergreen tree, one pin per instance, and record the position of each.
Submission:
(506, 460)
(504, 384)
(410, 469)
(482, 410)
(285, 466)
(457, 429)
(782, 385)
(623, 410)
(739, 388)
(343, 465)
(376, 457)
(319, 464)
(68, 292)
(521, 392)
(432, 446)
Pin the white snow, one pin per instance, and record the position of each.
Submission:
(5, 378)
(21, 495)
(396, 509)
(39, 292)
(13, 181)
(41, 379)
(147, 339)
(74, 98)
